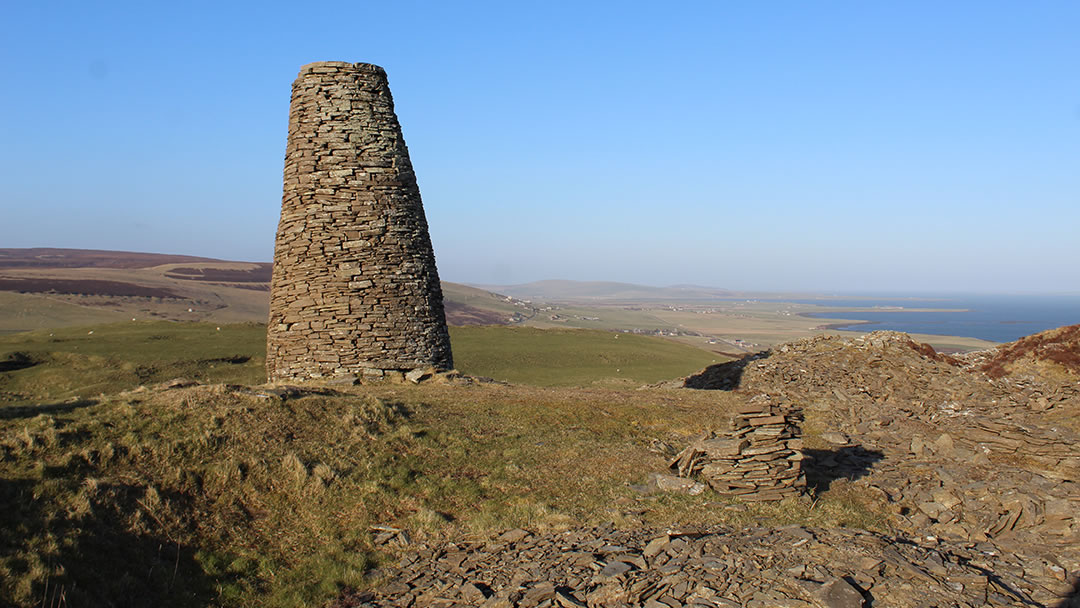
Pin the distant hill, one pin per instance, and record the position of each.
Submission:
(47, 257)
(53, 287)
(467, 305)
(592, 291)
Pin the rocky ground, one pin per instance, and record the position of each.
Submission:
(791, 566)
(975, 457)
(959, 454)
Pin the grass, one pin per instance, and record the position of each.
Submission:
(233, 496)
(572, 357)
(24, 312)
(83, 362)
(191, 497)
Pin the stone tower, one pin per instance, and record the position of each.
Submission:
(354, 290)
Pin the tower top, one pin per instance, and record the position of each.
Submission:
(331, 67)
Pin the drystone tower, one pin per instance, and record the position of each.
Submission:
(354, 289)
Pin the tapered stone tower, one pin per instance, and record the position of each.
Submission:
(354, 290)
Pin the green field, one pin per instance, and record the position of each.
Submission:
(571, 357)
(81, 362)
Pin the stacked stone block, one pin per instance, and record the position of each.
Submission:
(758, 459)
(354, 290)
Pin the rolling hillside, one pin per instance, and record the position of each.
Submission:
(607, 291)
(48, 287)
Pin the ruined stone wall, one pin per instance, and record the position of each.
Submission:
(354, 289)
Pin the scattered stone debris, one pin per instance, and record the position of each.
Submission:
(283, 392)
(758, 459)
(983, 492)
(385, 535)
(956, 453)
(419, 374)
(754, 567)
(661, 482)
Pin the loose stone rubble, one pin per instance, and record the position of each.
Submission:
(355, 291)
(959, 454)
(753, 567)
(981, 484)
(758, 459)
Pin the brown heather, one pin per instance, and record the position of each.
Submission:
(1060, 346)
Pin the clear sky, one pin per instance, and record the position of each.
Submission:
(825, 146)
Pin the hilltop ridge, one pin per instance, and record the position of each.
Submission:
(931, 481)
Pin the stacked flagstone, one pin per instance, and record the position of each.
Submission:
(758, 459)
(354, 291)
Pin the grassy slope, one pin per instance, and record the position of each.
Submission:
(763, 323)
(216, 495)
(564, 291)
(77, 362)
(609, 317)
(478, 298)
(23, 312)
(208, 301)
(208, 495)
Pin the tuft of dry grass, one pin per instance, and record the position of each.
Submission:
(221, 490)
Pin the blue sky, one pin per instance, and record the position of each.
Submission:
(823, 146)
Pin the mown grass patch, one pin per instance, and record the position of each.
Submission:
(572, 357)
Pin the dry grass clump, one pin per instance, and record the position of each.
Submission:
(193, 495)
(497, 457)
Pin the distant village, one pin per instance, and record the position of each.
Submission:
(666, 332)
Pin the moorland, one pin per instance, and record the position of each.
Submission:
(55, 287)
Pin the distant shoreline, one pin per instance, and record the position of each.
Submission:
(834, 326)
(837, 326)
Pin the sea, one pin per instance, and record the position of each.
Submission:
(997, 318)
